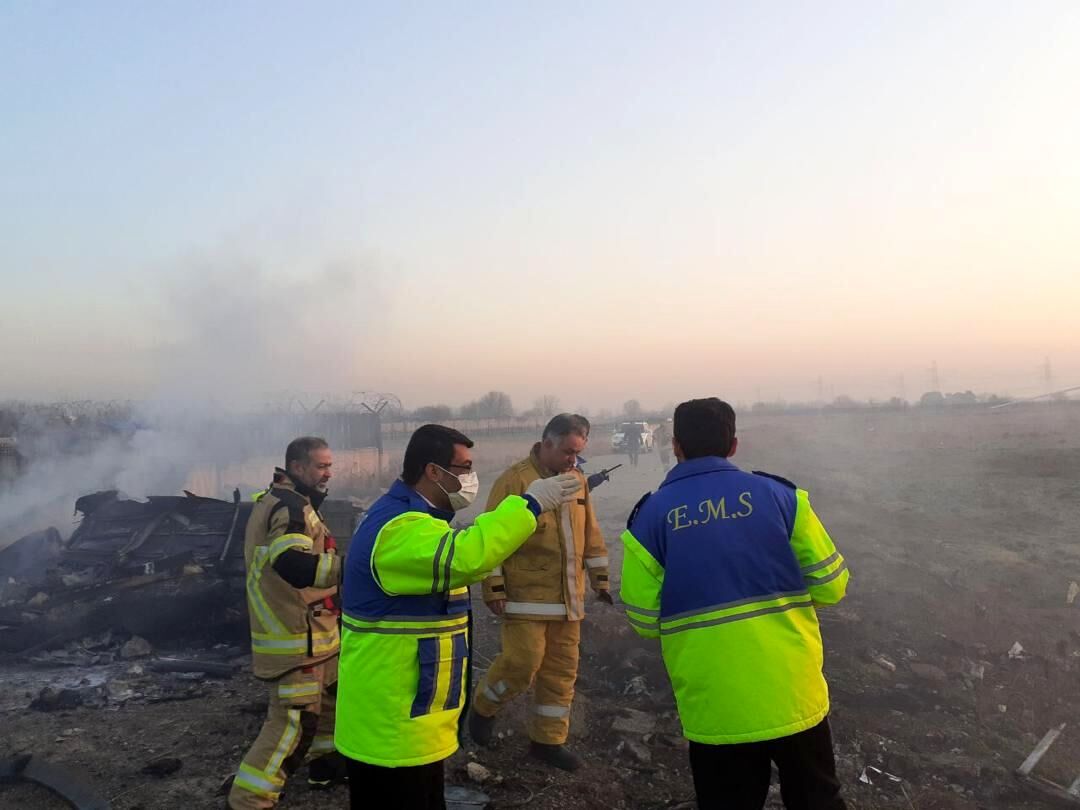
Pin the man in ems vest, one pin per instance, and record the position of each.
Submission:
(405, 646)
(540, 592)
(293, 577)
(727, 569)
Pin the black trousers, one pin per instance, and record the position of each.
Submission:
(737, 777)
(373, 787)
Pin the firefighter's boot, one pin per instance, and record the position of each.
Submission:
(481, 728)
(558, 756)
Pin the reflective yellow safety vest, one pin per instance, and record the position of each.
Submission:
(726, 568)
(290, 627)
(403, 672)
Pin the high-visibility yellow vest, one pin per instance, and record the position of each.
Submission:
(403, 670)
(726, 567)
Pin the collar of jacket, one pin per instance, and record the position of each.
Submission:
(534, 459)
(401, 491)
(283, 480)
(698, 466)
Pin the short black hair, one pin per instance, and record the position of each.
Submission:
(564, 424)
(430, 444)
(705, 427)
(300, 449)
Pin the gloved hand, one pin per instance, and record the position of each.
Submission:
(605, 596)
(551, 493)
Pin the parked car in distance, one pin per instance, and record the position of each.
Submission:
(618, 436)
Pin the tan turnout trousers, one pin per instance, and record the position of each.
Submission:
(544, 651)
(299, 726)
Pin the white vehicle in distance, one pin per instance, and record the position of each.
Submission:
(618, 437)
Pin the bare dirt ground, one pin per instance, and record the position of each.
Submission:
(961, 531)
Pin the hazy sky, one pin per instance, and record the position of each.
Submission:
(600, 200)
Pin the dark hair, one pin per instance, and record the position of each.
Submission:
(300, 449)
(430, 444)
(705, 427)
(564, 424)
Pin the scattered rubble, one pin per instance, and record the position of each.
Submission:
(64, 780)
(885, 663)
(477, 773)
(136, 647)
(928, 672)
(632, 721)
(635, 751)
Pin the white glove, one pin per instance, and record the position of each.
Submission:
(551, 493)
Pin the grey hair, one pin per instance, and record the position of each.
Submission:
(300, 449)
(566, 423)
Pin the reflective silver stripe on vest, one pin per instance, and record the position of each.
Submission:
(829, 578)
(415, 625)
(664, 631)
(597, 562)
(576, 609)
(551, 711)
(536, 608)
(823, 564)
(767, 597)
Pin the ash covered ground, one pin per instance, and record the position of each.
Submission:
(960, 527)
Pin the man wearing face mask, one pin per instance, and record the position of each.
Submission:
(540, 592)
(293, 581)
(405, 635)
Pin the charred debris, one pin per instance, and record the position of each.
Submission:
(163, 568)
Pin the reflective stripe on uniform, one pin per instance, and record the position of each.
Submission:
(811, 581)
(323, 571)
(293, 690)
(823, 564)
(324, 642)
(285, 744)
(403, 624)
(546, 710)
(279, 545)
(497, 571)
(323, 744)
(255, 597)
(597, 562)
(576, 609)
(436, 572)
(272, 644)
(646, 624)
(642, 611)
(768, 597)
(738, 611)
(536, 608)
(255, 781)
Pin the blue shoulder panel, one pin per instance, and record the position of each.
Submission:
(783, 481)
(360, 593)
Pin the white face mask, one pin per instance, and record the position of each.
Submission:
(464, 497)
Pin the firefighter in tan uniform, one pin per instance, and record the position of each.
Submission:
(293, 586)
(540, 593)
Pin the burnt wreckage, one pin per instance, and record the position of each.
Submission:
(163, 568)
